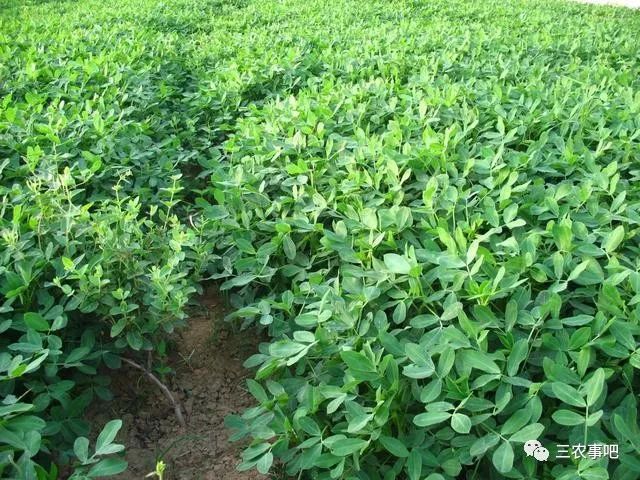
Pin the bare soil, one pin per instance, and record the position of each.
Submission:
(209, 381)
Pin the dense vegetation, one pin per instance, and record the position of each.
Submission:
(432, 207)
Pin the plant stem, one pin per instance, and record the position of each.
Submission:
(586, 419)
(176, 406)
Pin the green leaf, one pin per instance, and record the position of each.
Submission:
(577, 271)
(481, 361)
(8, 410)
(289, 247)
(358, 421)
(634, 360)
(418, 354)
(414, 465)
(451, 311)
(594, 418)
(397, 264)
(107, 467)
(285, 348)
(25, 423)
(67, 263)
(431, 391)
(256, 450)
(613, 239)
(624, 428)
(511, 315)
(32, 441)
(430, 418)
(472, 251)
(77, 354)
(591, 275)
(9, 438)
(134, 339)
(517, 420)
(579, 338)
(568, 394)
(503, 458)
(416, 371)
(394, 446)
(563, 236)
(461, 423)
(257, 391)
(577, 320)
(630, 462)
(357, 361)
(423, 321)
(264, 464)
(118, 327)
(347, 446)
(594, 386)
(81, 449)
(239, 281)
(107, 435)
(483, 444)
(333, 405)
(517, 356)
(36, 321)
(309, 425)
(567, 418)
(5, 325)
(595, 473)
(446, 361)
(530, 432)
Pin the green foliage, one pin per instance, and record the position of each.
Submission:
(443, 243)
(159, 471)
(80, 284)
(93, 258)
(431, 206)
(93, 466)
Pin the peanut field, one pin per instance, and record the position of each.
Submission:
(429, 209)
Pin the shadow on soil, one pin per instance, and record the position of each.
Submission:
(209, 383)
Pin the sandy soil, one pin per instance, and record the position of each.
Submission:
(210, 384)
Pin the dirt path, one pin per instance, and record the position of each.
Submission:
(210, 383)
